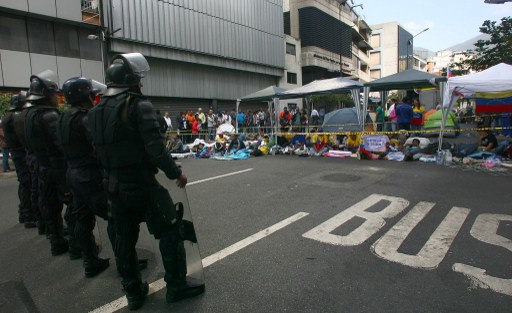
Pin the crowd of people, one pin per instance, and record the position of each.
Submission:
(98, 161)
(298, 135)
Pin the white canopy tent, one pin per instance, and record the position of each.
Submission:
(494, 79)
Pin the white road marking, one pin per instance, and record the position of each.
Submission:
(374, 221)
(436, 247)
(485, 229)
(483, 280)
(160, 284)
(217, 177)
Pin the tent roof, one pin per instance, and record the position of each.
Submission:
(324, 86)
(266, 94)
(494, 79)
(408, 79)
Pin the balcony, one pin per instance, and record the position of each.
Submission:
(91, 12)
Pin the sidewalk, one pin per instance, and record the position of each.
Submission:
(11, 173)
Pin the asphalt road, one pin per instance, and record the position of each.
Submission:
(373, 236)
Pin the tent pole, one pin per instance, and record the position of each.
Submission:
(236, 119)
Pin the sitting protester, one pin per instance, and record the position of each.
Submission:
(235, 145)
(176, 145)
(261, 148)
(488, 142)
(353, 142)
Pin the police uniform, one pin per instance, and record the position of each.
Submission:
(40, 134)
(83, 173)
(36, 202)
(125, 132)
(26, 211)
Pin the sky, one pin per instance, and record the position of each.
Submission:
(450, 22)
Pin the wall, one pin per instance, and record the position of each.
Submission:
(242, 30)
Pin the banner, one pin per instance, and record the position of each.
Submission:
(375, 143)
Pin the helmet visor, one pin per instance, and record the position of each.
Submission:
(98, 88)
(137, 62)
(47, 75)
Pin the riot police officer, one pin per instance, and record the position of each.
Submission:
(36, 184)
(83, 173)
(27, 213)
(126, 135)
(40, 135)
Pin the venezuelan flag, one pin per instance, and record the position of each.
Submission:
(494, 102)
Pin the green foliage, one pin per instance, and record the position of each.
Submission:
(398, 95)
(333, 102)
(5, 102)
(497, 49)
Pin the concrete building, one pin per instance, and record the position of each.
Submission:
(334, 39)
(201, 53)
(444, 59)
(292, 77)
(36, 35)
(392, 50)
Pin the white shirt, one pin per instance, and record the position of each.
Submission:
(168, 121)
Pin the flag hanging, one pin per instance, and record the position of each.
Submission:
(494, 102)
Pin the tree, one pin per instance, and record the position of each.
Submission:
(333, 101)
(497, 49)
(5, 102)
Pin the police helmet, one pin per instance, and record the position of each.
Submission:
(43, 85)
(81, 89)
(126, 70)
(17, 101)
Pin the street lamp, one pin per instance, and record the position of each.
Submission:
(410, 58)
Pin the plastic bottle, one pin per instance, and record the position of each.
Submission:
(439, 157)
(448, 157)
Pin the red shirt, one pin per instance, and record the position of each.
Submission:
(195, 127)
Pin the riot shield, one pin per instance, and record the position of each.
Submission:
(148, 246)
(179, 196)
(147, 249)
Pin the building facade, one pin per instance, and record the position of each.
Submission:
(201, 53)
(37, 35)
(334, 39)
(392, 50)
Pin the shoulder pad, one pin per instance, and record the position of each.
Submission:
(50, 116)
(145, 106)
(112, 92)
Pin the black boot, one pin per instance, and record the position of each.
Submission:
(136, 295)
(58, 244)
(143, 264)
(95, 266)
(30, 223)
(41, 227)
(177, 291)
(75, 252)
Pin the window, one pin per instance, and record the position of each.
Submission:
(89, 49)
(375, 41)
(14, 34)
(290, 49)
(291, 78)
(66, 43)
(375, 74)
(375, 58)
(40, 37)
